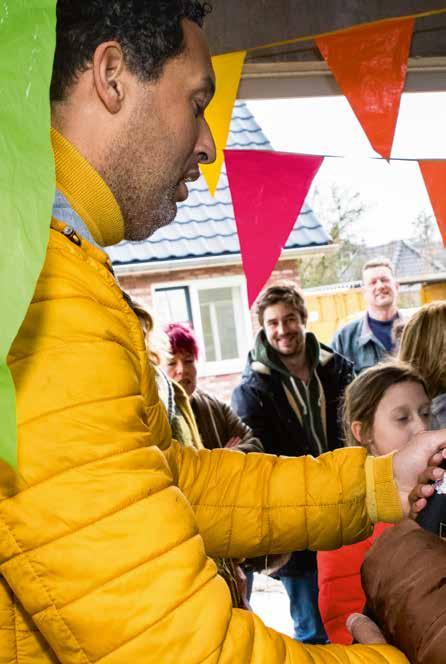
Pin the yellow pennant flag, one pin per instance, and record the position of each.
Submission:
(228, 71)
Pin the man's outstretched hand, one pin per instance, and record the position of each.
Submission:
(364, 630)
(233, 442)
(419, 496)
(416, 464)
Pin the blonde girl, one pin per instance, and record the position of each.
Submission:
(384, 408)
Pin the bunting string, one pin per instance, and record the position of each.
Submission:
(372, 82)
(267, 208)
(320, 35)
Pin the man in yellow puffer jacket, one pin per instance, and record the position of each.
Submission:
(105, 533)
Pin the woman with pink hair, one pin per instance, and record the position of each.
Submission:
(218, 424)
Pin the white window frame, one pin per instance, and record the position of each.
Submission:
(244, 329)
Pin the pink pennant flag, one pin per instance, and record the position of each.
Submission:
(268, 190)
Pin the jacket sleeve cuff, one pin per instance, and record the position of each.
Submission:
(383, 501)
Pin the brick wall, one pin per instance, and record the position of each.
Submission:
(139, 287)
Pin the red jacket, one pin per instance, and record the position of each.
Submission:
(340, 590)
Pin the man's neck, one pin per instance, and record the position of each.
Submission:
(297, 365)
(382, 314)
(86, 192)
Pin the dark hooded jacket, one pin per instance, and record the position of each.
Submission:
(289, 417)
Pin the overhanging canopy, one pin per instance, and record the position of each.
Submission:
(297, 70)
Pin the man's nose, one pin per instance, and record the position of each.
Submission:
(205, 144)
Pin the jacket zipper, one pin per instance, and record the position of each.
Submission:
(308, 410)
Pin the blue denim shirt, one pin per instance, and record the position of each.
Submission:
(357, 343)
(62, 211)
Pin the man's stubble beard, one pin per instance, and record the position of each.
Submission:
(299, 348)
(146, 199)
(144, 215)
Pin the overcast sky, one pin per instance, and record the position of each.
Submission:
(395, 192)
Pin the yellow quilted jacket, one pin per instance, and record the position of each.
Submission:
(106, 533)
(103, 550)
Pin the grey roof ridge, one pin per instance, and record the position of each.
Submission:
(398, 250)
(397, 254)
(416, 251)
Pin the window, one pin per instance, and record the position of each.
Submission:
(218, 311)
(173, 305)
(218, 315)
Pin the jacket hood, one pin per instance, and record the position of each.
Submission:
(263, 358)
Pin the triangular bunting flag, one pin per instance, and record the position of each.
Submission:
(370, 65)
(434, 176)
(228, 71)
(268, 190)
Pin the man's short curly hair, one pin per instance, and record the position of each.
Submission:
(284, 293)
(149, 31)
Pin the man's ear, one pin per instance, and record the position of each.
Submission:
(108, 67)
(356, 431)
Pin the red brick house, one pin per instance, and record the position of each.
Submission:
(191, 270)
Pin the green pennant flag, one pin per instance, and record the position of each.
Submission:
(27, 40)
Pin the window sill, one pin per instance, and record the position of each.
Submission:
(221, 368)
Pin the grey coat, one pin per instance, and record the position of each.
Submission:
(438, 410)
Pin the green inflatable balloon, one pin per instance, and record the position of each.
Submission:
(27, 181)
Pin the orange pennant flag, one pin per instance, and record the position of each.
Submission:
(434, 176)
(370, 65)
(228, 71)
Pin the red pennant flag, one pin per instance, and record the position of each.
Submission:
(434, 176)
(268, 190)
(370, 65)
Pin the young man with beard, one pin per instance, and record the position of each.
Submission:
(369, 339)
(290, 396)
(106, 529)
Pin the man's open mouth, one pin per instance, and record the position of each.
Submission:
(182, 190)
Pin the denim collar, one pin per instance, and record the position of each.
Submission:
(62, 211)
(366, 333)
